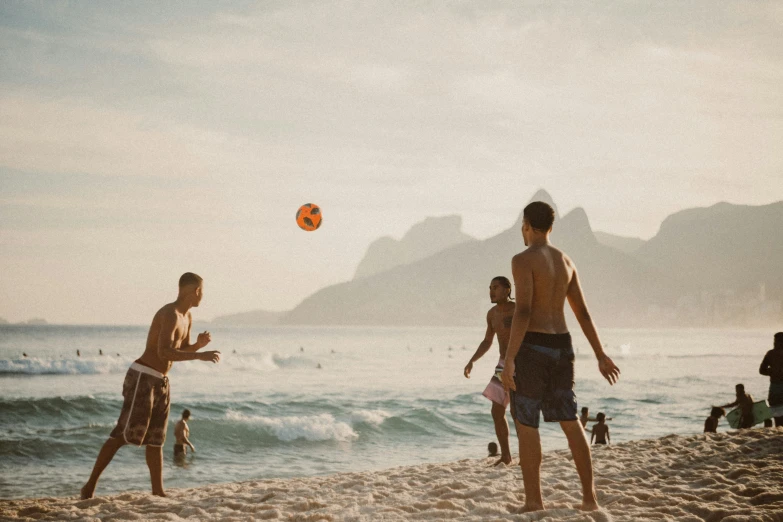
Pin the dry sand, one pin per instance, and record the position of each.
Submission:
(732, 476)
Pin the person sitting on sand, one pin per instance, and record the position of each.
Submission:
(498, 323)
(493, 449)
(600, 431)
(745, 403)
(181, 434)
(772, 366)
(146, 392)
(711, 424)
(539, 367)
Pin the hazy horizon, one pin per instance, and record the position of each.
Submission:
(141, 141)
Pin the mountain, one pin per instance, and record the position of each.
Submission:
(422, 240)
(450, 287)
(254, 318)
(36, 321)
(722, 248)
(629, 245)
(3, 321)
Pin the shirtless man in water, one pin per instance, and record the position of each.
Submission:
(145, 410)
(498, 323)
(539, 368)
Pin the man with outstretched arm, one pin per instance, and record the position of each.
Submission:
(145, 410)
(539, 368)
(498, 323)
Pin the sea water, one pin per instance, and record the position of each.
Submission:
(302, 401)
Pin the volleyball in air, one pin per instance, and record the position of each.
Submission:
(308, 217)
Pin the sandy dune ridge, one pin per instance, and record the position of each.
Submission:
(731, 476)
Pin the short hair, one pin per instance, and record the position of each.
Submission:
(600, 417)
(189, 278)
(584, 409)
(492, 448)
(717, 412)
(503, 280)
(186, 414)
(540, 215)
(779, 340)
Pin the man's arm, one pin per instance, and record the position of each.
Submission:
(483, 348)
(577, 301)
(202, 340)
(167, 340)
(731, 404)
(523, 293)
(608, 438)
(592, 437)
(766, 367)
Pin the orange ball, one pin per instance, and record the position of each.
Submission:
(308, 217)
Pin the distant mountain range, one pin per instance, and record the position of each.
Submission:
(708, 266)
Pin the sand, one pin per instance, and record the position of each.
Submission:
(730, 476)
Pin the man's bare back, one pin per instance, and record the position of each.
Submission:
(551, 275)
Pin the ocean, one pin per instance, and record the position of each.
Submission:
(303, 401)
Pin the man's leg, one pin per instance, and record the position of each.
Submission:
(155, 463)
(530, 462)
(580, 449)
(501, 430)
(107, 452)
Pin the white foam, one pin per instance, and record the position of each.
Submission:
(311, 427)
(373, 417)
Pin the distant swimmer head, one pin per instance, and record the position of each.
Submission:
(499, 289)
(601, 417)
(717, 412)
(740, 388)
(191, 288)
(538, 218)
(493, 449)
(584, 410)
(185, 414)
(779, 341)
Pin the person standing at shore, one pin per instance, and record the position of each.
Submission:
(600, 431)
(772, 366)
(711, 423)
(539, 368)
(145, 410)
(498, 323)
(181, 436)
(745, 403)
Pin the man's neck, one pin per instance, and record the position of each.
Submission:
(181, 306)
(539, 240)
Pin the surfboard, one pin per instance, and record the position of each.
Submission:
(760, 414)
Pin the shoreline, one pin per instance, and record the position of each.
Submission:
(685, 478)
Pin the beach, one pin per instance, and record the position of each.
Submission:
(729, 476)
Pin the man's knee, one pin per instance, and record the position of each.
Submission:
(498, 411)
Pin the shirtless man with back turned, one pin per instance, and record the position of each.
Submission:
(145, 410)
(539, 368)
(498, 323)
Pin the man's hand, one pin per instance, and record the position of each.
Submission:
(468, 369)
(203, 339)
(608, 369)
(192, 447)
(213, 356)
(507, 376)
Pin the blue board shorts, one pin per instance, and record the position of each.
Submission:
(544, 379)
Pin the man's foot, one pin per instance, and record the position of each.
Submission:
(159, 493)
(88, 491)
(528, 508)
(589, 506)
(503, 460)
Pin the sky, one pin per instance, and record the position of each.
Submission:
(140, 140)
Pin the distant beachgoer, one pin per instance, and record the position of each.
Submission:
(24, 354)
(584, 418)
(539, 368)
(600, 431)
(711, 423)
(498, 323)
(745, 403)
(78, 353)
(301, 348)
(181, 435)
(145, 410)
(319, 367)
(772, 366)
(492, 447)
(100, 352)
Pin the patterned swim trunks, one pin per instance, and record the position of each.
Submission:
(494, 390)
(544, 379)
(145, 409)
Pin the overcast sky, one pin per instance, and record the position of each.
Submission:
(142, 140)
